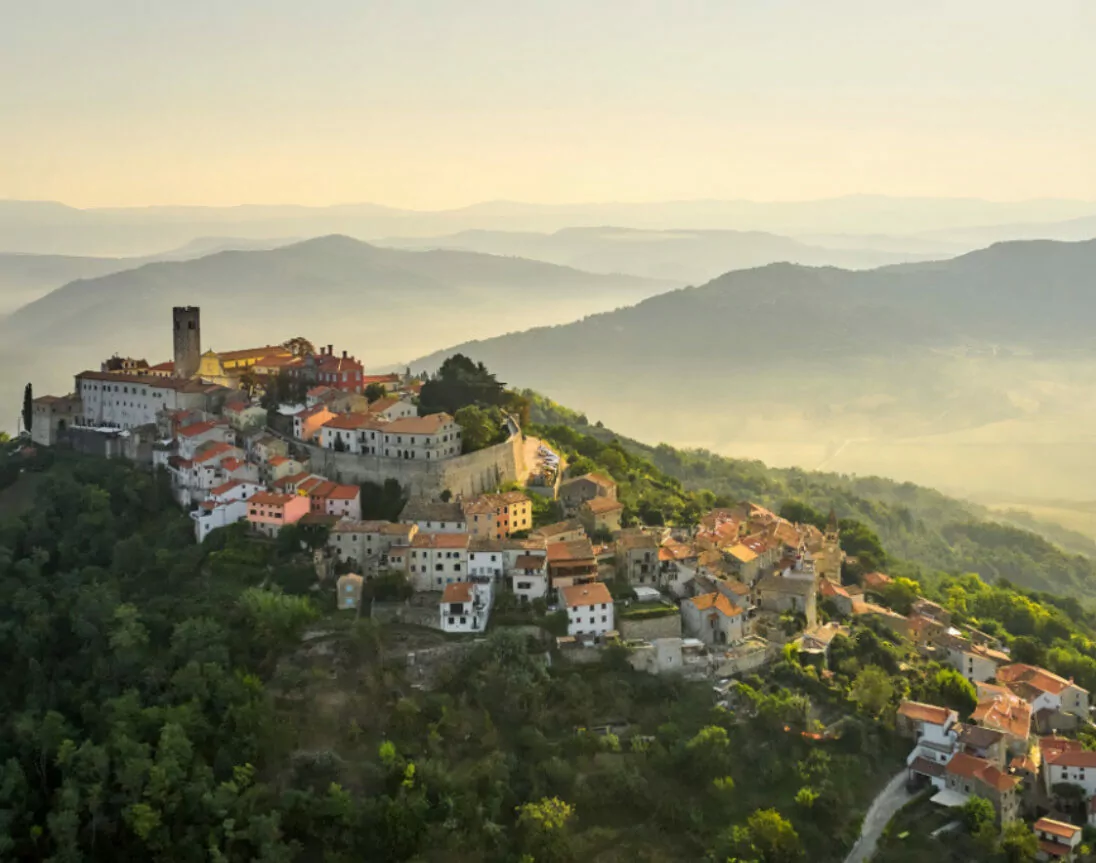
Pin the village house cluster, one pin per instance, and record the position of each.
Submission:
(1012, 751)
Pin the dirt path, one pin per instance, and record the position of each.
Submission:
(892, 798)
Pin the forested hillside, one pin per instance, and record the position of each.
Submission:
(916, 524)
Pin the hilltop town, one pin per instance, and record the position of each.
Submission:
(486, 526)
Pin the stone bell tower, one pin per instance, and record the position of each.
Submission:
(187, 335)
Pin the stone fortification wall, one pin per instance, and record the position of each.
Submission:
(469, 474)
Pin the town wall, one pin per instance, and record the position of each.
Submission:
(470, 474)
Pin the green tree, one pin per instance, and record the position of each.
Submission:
(542, 825)
(900, 594)
(373, 392)
(1018, 843)
(976, 812)
(769, 838)
(28, 408)
(872, 690)
(955, 691)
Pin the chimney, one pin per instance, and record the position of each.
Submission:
(344, 355)
(330, 350)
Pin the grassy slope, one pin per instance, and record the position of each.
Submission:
(915, 523)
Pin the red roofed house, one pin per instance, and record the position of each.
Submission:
(1057, 839)
(437, 559)
(307, 423)
(601, 514)
(836, 594)
(713, 618)
(1070, 766)
(1002, 710)
(589, 609)
(281, 466)
(1044, 689)
(465, 606)
(391, 381)
(968, 775)
(344, 501)
(934, 731)
(196, 434)
(268, 512)
(392, 408)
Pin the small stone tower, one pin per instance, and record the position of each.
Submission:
(828, 561)
(187, 335)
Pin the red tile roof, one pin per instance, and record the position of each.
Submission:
(211, 452)
(1071, 758)
(585, 594)
(344, 492)
(1038, 678)
(931, 713)
(430, 424)
(270, 498)
(718, 601)
(196, 429)
(460, 591)
(1056, 828)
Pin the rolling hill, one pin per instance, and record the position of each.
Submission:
(382, 304)
(972, 374)
(26, 277)
(682, 255)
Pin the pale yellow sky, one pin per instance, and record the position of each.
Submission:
(435, 104)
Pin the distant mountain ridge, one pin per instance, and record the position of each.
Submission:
(693, 256)
(52, 228)
(381, 304)
(972, 374)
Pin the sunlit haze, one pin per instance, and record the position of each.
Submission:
(441, 104)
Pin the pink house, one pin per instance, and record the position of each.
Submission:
(268, 511)
(345, 501)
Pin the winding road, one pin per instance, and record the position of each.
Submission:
(888, 801)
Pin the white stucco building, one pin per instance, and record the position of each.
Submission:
(589, 609)
(127, 401)
(465, 606)
(437, 559)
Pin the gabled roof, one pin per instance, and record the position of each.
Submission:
(429, 424)
(353, 422)
(1071, 758)
(829, 590)
(559, 527)
(460, 591)
(717, 602)
(1038, 678)
(585, 594)
(270, 498)
(440, 540)
(602, 505)
(930, 713)
(1056, 828)
(970, 767)
(528, 561)
(344, 492)
(1008, 714)
(636, 541)
(196, 429)
(211, 451)
(742, 553)
(576, 549)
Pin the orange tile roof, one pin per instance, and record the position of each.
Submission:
(270, 498)
(586, 594)
(528, 561)
(440, 540)
(196, 429)
(211, 452)
(323, 489)
(829, 590)
(601, 505)
(1011, 715)
(717, 601)
(970, 767)
(460, 591)
(292, 479)
(1056, 828)
(578, 549)
(1071, 758)
(1054, 849)
(278, 460)
(226, 486)
(344, 492)
(920, 712)
(254, 353)
(392, 378)
(383, 404)
(353, 421)
(1054, 743)
(1039, 678)
(430, 424)
(876, 580)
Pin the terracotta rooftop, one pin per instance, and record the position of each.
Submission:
(920, 712)
(585, 594)
(1071, 758)
(1010, 715)
(196, 429)
(559, 527)
(211, 451)
(600, 505)
(270, 498)
(353, 422)
(440, 540)
(430, 424)
(742, 553)
(716, 601)
(344, 492)
(970, 767)
(1038, 678)
(577, 549)
(1056, 828)
(529, 561)
(460, 591)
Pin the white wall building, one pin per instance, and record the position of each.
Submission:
(529, 577)
(589, 609)
(437, 559)
(127, 401)
(465, 607)
(1073, 767)
(212, 514)
(363, 541)
(436, 436)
